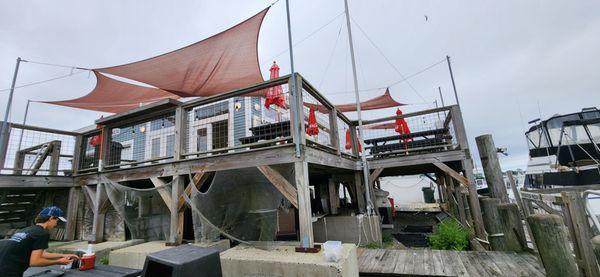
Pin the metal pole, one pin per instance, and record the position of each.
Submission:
(452, 78)
(441, 96)
(293, 88)
(24, 121)
(358, 113)
(8, 106)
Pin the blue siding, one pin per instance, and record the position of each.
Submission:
(239, 121)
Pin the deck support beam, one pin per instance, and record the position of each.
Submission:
(281, 184)
(304, 208)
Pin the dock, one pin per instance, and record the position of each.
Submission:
(426, 262)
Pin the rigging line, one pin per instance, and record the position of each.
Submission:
(44, 81)
(396, 82)
(331, 56)
(57, 65)
(305, 38)
(386, 58)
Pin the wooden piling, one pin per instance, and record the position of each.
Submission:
(581, 233)
(512, 227)
(491, 167)
(596, 246)
(550, 236)
(491, 221)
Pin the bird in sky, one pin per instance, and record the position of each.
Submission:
(426, 18)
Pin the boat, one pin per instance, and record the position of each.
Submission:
(564, 150)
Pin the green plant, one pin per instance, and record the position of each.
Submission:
(104, 260)
(450, 235)
(372, 245)
(387, 239)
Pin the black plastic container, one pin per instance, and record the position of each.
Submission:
(183, 261)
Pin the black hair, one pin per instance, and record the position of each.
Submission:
(43, 219)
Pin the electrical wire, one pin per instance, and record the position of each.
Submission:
(386, 59)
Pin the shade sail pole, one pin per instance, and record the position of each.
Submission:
(358, 113)
(452, 78)
(24, 122)
(293, 88)
(8, 106)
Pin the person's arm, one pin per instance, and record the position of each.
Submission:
(49, 255)
(37, 259)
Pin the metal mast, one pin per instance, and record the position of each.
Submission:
(360, 129)
(293, 86)
(9, 105)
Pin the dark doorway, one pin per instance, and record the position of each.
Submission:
(188, 225)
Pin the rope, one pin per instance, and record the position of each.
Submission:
(43, 81)
(331, 56)
(386, 58)
(267, 62)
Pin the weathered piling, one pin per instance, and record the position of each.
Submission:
(596, 246)
(491, 221)
(581, 233)
(550, 235)
(512, 227)
(491, 167)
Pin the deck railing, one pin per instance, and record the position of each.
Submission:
(34, 150)
(232, 122)
(419, 132)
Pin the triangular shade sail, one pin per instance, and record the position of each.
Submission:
(379, 102)
(113, 96)
(223, 62)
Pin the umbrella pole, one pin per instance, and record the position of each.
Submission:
(360, 129)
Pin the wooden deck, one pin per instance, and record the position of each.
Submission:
(426, 262)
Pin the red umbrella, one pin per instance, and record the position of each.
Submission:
(275, 94)
(349, 141)
(402, 126)
(313, 127)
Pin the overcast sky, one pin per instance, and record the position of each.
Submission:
(509, 57)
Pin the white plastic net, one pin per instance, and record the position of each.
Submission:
(240, 204)
(143, 209)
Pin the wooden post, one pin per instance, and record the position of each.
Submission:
(354, 140)
(512, 228)
(581, 234)
(596, 246)
(491, 220)
(72, 208)
(180, 125)
(333, 131)
(473, 196)
(334, 195)
(99, 214)
(491, 167)
(360, 195)
(176, 225)
(550, 236)
(77, 154)
(450, 193)
(457, 199)
(54, 157)
(5, 137)
(304, 208)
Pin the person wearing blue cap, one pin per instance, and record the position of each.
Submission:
(27, 246)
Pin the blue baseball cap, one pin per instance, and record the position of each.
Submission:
(53, 211)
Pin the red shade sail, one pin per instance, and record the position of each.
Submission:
(113, 96)
(379, 102)
(223, 62)
(275, 94)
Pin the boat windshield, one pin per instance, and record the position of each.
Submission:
(537, 138)
(554, 126)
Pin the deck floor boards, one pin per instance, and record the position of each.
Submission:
(427, 262)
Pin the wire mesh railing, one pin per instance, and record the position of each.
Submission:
(34, 150)
(420, 132)
(239, 123)
(316, 120)
(140, 143)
